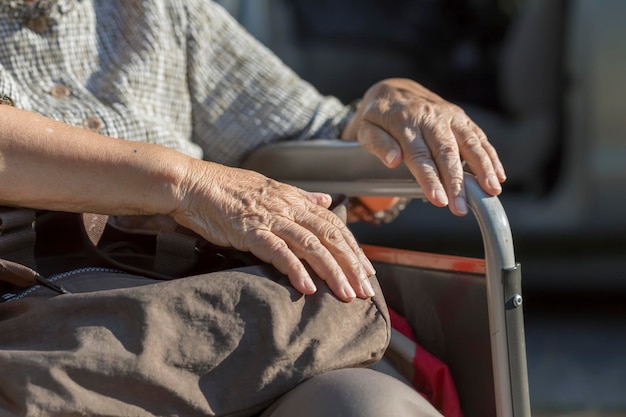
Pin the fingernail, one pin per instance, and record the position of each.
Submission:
(441, 197)
(369, 268)
(493, 182)
(461, 205)
(367, 287)
(349, 292)
(391, 156)
(310, 286)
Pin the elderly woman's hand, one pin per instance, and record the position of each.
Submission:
(400, 120)
(278, 223)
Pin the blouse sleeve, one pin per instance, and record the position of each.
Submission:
(242, 95)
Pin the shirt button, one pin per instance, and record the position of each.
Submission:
(93, 123)
(4, 99)
(38, 24)
(60, 90)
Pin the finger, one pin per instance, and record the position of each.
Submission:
(409, 146)
(354, 245)
(349, 238)
(321, 199)
(445, 151)
(500, 171)
(380, 144)
(480, 156)
(329, 216)
(419, 160)
(495, 159)
(306, 245)
(269, 248)
(416, 155)
(366, 268)
(336, 236)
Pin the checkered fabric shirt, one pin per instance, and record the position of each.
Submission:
(179, 73)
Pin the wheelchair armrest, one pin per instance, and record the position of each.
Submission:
(332, 166)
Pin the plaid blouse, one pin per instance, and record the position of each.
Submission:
(179, 73)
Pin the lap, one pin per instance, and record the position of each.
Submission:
(198, 343)
(349, 392)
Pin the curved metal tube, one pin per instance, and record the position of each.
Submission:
(499, 257)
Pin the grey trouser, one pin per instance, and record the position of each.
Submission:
(352, 393)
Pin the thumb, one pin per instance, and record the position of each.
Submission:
(321, 199)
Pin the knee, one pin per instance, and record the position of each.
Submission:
(352, 392)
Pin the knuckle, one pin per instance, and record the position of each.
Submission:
(482, 136)
(376, 108)
(456, 109)
(419, 155)
(332, 235)
(310, 243)
(435, 131)
(472, 142)
(456, 183)
(336, 222)
(445, 151)
(277, 246)
(272, 243)
(257, 235)
(426, 109)
(354, 264)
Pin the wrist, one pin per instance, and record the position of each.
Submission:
(178, 183)
(198, 182)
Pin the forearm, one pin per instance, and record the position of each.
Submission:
(49, 165)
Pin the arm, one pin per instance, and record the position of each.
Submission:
(49, 165)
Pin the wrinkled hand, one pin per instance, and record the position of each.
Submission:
(278, 223)
(399, 120)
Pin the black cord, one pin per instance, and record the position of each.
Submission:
(50, 285)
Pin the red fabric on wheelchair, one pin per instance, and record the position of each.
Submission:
(432, 377)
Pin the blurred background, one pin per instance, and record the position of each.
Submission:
(543, 78)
